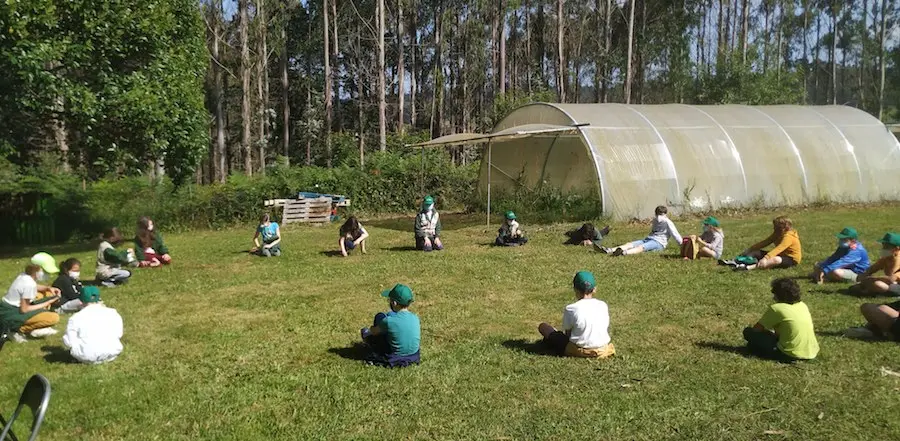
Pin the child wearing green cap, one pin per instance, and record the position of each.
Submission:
(394, 336)
(585, 324)
(785, 332)
(509, 234)
(848, 261)
(93, 334)
(709, 244)
(428, 227)
(888, 264)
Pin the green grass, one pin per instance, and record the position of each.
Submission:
(225, 346)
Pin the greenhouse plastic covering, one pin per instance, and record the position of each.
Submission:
(636, 157)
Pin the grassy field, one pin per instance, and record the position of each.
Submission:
(226, 346)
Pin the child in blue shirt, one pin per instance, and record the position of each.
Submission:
(271, 238)
(846, 264)
(394, 336)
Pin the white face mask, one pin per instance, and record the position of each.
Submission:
(150, 226)
(74, 274)
(41, 276)
(429, 207)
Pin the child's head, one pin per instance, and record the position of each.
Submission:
(711, 223)
(588, 230)
(661, 210)
(350, 227)
(399, 297)
(510, 216)
(90, 294)
(782, 224)
(46, 262)
(145, 232)
(786, 290)
(112, 235)
(71, 267)
(890, 245)
(584, 284)
(428, 203)
(264, 219)
(847, 237)
(33, 270)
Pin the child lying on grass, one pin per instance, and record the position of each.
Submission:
(395, 335)
(661, 229)
(785, 331)
(585, 324)
(587, 235)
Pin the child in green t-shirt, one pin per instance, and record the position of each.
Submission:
(394, 336)
(785, 331)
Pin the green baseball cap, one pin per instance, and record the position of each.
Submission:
(429, 200)
(892, 239)
(400, 293)
(46, 262)
(584, 281)
(848, 233)
(90, 294)
(711, 221)
(510, 215)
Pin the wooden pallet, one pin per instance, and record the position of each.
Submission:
(313, 211)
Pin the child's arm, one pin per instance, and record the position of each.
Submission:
(437, 228)
(113, 256)
(160, 246)
(895, 270)
(362, 237)
(673, 232)
(784, 244)
(833, 262)
(139, 250)
(417, 225)
(342, 246)
(758, 246)
(256, 244)
(878, 266)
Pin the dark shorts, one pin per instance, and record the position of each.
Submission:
(557, 342)
(349, 244)
(786, 261)
(895, 328)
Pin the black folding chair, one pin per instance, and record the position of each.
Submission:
(35, 395)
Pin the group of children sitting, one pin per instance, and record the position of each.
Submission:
(30, 308)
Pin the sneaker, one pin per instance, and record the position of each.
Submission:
(618, 252)
(860, 332)
(730, 263)
(364, 333)
(108, 284)
(18, 337)
(43, 332)
(741, 267)
(605, 231)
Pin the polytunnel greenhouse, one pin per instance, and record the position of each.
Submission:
(634, 157)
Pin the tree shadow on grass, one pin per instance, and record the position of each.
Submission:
(356, 351)
(532, 347)
(57, 354)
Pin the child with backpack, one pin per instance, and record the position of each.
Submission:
(709, 244)
(352, 234)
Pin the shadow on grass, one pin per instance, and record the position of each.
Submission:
(400, 248)
(357, 351)
(449, 222)
(531, 347)
(739, 350)
(57, 354)
(331, 253)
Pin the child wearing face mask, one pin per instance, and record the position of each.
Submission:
(889, 264)
(849, 260)
(69, 285)
(661, 229)
(709, 244)
(428, 227)
(149, 248)
(110, 261)
(24, 308)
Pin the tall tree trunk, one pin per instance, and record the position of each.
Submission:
(834, 39)
(560, 51)
(328, 85)
(640, 54)
(414, 70)
(502, 47)
(629, 72)
(220, 170)
(262, 72)
(360, 99)
(437, 102)
(529, 57)
(245, 87)
(598, 71)
(767, 36)
(861, 67)
(720, 49)
(816, 68)
(382, 105)
(806, 61)
(401, 70)
(882, 59)
(336, 69)
(285, 100)
(607, 46)
(495, 44)
(745, 26)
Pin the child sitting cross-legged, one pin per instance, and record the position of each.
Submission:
(785, 331)
(585, 324)
(786, 254)
(395, 335)
(93, 334)
(846, 263)
(709, 244)
(510, 234)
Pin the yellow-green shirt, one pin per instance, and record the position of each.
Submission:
(793, 325)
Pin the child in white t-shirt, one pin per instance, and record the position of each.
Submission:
(585, 324)
(93, 334)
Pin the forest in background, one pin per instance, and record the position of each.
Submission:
(200, 91)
